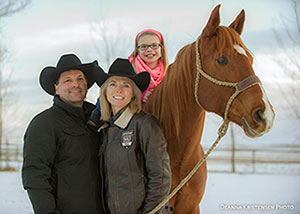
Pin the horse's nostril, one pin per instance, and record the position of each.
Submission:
(171, 209)
(259, 116)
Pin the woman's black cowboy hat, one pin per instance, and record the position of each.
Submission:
(49, 75)
(123, 68)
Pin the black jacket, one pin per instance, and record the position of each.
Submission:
(136, 164)
(61, 164)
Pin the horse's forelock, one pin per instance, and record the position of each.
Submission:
(226, 38)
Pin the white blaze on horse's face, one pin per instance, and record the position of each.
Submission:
(240, 50)
(269, 112)
(268, 118)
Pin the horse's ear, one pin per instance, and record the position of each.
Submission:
(213, 22)
(238, 23)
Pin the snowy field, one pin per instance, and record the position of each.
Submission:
(225, 194)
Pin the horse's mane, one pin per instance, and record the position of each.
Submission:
(172, 97)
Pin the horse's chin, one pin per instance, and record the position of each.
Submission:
(251, 132)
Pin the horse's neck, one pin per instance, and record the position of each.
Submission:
(173, 101)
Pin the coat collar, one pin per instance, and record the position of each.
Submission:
(122, 121)
(77, 112)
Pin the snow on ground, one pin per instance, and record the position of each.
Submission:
(225, 194)
(13, 199)
(251, 193)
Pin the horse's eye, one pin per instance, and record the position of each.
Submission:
(222, 60)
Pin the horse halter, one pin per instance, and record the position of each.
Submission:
(239, 87)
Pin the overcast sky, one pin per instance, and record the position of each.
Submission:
(46, 29)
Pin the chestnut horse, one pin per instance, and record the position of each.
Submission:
(181, 100)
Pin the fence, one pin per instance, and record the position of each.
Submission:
(11, 156)
(275, 160)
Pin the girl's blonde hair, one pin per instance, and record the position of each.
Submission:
(164, 54)
(134, 105)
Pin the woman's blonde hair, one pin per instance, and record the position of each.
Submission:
(134, 105)
(164, 54)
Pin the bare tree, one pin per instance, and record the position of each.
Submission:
(7, 8)
(10, 7)
(288, 38)
(110, 40)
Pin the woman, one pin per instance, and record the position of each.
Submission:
(150, 55)
(135, 163)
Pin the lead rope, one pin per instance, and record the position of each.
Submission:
(221, 132)
(223, 128)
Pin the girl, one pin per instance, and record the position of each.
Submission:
(150, 55)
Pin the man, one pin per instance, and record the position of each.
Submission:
(61, 166)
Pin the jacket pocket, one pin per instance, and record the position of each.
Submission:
(75, 144)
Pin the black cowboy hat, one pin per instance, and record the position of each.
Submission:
(49, 75)
(123, 68)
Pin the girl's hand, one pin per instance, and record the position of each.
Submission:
(147, 95)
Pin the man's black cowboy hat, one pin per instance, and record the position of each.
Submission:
(123, 68)
(49, 75)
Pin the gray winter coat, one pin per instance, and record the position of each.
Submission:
(136, 164)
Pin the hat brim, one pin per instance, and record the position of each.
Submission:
(49, 75)
(142, 79)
